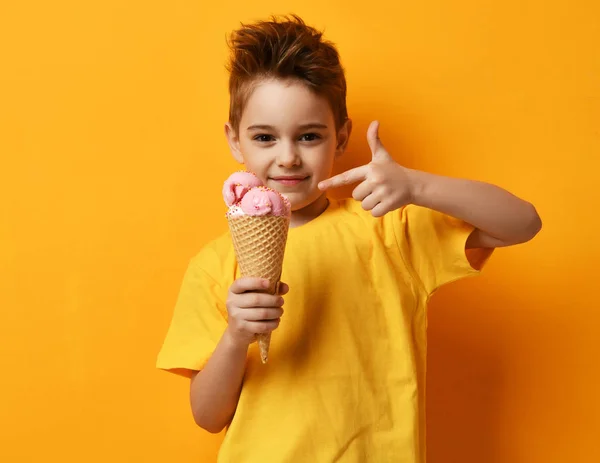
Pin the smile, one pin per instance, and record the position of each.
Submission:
(289, 181)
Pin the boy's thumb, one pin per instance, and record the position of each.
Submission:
(282, 289)
(377, 149)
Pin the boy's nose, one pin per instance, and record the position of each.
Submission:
(288, 156)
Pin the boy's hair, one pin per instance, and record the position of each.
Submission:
(284, 49)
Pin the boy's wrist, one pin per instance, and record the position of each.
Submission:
(418, 182)
(233, 344)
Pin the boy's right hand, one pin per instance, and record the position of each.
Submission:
(251, 311)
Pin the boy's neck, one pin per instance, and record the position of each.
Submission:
(310, 212)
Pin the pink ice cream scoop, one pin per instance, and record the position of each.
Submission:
(237, 185)
(260, 201)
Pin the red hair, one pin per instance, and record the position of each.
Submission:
(284, 49)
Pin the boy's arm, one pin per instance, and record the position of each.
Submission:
(215, 391)
(499, 218)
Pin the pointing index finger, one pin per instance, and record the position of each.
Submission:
(347, 178)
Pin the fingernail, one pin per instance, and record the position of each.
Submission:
(266, 283)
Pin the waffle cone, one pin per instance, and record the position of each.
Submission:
(259, 244)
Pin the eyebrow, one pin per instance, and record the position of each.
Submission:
(312, 125)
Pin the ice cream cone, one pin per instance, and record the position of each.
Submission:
(259, 244)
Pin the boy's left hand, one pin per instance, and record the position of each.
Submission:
(385, 184)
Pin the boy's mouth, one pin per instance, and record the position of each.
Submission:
(289, 180)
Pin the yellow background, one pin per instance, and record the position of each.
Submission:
(112, 160)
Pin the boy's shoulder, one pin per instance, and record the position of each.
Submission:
(413, 212)
(216, 257)
(351, 208)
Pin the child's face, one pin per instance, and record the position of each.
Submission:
(287, 137)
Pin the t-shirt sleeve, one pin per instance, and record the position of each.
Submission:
(198, 322)
(433, 245)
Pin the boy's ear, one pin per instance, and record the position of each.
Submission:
(234, 143)
(343, 136)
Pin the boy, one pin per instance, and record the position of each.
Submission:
(346, 375)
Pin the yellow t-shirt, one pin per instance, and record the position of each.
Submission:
(345, 381)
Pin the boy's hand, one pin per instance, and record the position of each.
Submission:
(385, 185)
(251, 311)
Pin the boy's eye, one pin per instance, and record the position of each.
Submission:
(310, 137)
(263, 138)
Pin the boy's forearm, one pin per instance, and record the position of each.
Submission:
(498, 213)
(215, 391)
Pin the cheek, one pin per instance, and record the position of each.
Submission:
(323, 160)
(254, 159)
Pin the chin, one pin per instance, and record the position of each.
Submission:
(300, 201)
(297, 203)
